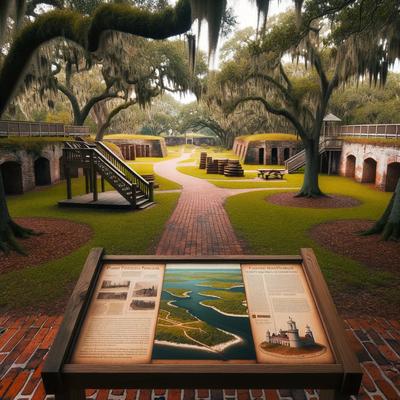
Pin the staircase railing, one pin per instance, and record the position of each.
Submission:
(92, 158)
(298, 160)
(142, 184)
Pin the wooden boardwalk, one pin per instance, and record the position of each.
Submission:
(106, 200)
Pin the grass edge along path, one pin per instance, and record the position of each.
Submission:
(274, 229)
(119, 232)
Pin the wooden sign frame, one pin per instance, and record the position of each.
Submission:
(338, 380)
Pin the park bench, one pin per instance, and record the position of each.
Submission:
(271, 173)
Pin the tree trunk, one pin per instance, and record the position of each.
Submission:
(9, 230)
(389, 224)
(102, 131)
(310, 186)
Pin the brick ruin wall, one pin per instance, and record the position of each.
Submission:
(133, 148)
(367, 163)
(265, 151)
(25, 162)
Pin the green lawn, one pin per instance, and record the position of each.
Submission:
(133, 232)
(273, 229)
(148, 168)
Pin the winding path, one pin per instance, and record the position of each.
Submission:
(199, 224)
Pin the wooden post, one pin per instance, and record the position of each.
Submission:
(70, 394)
(332, 395)
(94, 177)
(329, 162)
(103, 189)
(87, 181)
(68, 178)
(151, 191)
(134, 195)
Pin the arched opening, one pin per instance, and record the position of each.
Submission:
(286, 153)
(42, 172)
(261, 152)
(350, 166)
(12, 177)
(392, 176)
(274, 156)
(369, 171)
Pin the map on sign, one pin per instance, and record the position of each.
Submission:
(203, 314)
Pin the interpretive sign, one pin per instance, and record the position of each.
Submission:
(284, 319)
(120, 324)
(201, 322)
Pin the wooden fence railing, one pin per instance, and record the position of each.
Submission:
(370, 130)
(25, 128)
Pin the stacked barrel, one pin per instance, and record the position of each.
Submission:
(233, 169)
(221, 166)
(212, 166)
(203, 160)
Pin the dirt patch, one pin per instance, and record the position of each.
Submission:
(59, 238)
(331, 201)
(342, 238)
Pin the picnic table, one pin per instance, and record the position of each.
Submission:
(271, 172)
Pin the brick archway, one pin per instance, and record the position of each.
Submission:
(369, 171)
(392, 176)
(350, 166)
(12, 177)
(42, 172)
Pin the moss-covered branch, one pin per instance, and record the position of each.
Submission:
(86, 32)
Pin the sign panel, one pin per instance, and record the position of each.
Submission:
(235, 312)
(284, 319)
(203, 314)
(120, 324)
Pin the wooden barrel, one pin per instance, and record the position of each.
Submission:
(233, 169)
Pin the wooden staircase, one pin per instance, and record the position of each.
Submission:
(97, 159)
(297, 161)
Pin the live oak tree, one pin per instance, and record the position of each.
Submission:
(85, 31)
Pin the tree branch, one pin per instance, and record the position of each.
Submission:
(111, 115)
(276, 111)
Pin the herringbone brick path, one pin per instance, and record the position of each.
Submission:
(199, 225)
(26, 341)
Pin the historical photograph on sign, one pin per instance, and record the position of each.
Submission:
(112, 296)
(115, 284)
(145, 289)
(121, 321)
(139, 304)
(284, 319)
(203, 314)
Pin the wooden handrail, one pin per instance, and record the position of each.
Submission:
(146, 187)
(30, 128)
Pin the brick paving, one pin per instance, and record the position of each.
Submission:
(199, 224)
(26, 341)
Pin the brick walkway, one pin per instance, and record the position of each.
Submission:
(198, 226)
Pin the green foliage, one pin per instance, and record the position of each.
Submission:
(63, 117)
(86, 32)
(226, 301)
(269, 137)
(368, 104)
